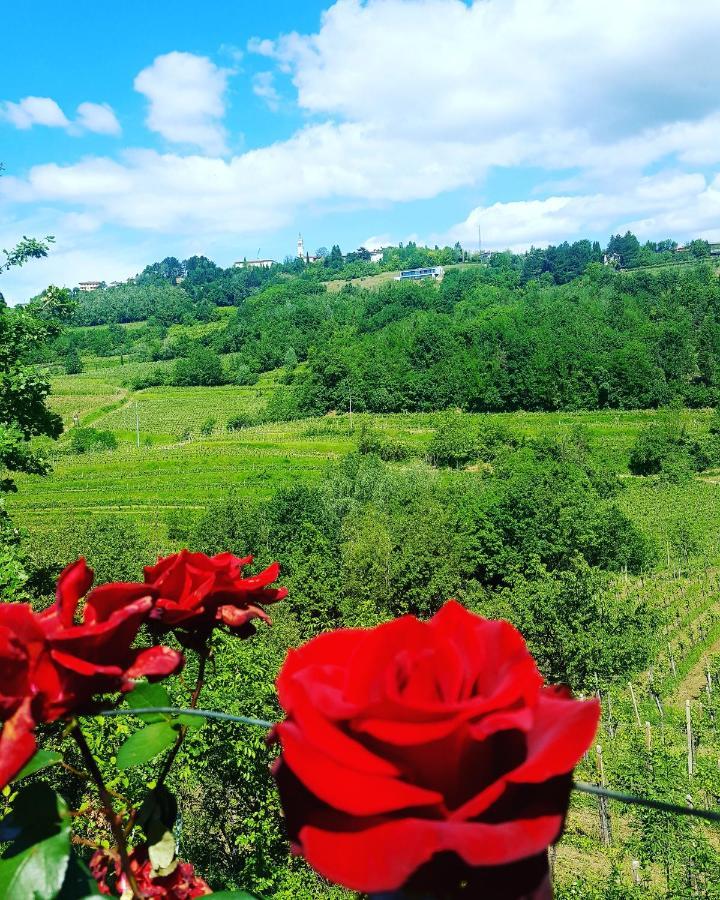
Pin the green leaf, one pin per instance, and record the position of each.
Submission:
(146, 694)
(41, 760)
(145, 744)
(191, 721)
(33, 867)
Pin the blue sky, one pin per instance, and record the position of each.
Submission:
(136, 131)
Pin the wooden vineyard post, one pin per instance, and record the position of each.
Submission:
(605, 830)
(634, 703)
(648, 736)
(688, 727)
(672, 661)
(635, 865)
(708, 678)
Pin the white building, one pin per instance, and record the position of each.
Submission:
(89, 285)
(254, 263)
(376, 256)
(302, 254)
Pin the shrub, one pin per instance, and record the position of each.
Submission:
(387, 449)
(201, 367)
(90, 440)
(245, 376)
(207, 427)
(239, 421)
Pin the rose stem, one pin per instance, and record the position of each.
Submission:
(113, 818)
(199, 683)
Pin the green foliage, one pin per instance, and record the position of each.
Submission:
(35, 863)
(670, 450)
(146, 744)
(114, 545)
(91, 440)
(41, 760)
(202, 366)
(238, 421)
(207, 427)
(73, 363)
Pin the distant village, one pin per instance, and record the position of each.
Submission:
(374, 256)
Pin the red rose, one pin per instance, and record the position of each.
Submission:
(180, 884)
(194, 592)
(52, 666)
(422, 755)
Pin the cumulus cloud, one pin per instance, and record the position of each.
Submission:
(34, 111)
(97, 117)
(259, 189)
(492, 69)
(186, 96)
(667, 204)
(407, 99)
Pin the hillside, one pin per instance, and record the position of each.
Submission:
(546, 452)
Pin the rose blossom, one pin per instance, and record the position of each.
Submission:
(180, 884)
(193, 593)
(52, 666)
(427, 755)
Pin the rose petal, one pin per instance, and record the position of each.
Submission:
(74, 582)
(17, 742)
(355, 792)
(365, 861)
(156, 662)
(562, 731)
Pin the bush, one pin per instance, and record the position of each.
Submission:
(90, 440)
(201, 367)
(387, 449)
(207, 427)
(239, 421)
(245, 376)
(73, 363)
(156, 378)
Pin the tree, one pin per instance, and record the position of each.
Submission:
(73, 362)
(202, 366)
(699, 249)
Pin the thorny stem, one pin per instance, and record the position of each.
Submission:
(199, 684)
(114, 820)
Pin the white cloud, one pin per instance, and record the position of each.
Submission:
(97, 117)
(186, 95)
(259, 189)
(34, 111)
(490, 69)
(668, 204)
(263, 85)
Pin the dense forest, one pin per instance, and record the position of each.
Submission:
(484, 339)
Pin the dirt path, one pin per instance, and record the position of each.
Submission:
(693, 684)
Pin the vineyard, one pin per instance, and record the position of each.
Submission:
(659, 735)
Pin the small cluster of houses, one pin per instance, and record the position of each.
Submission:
(375, 256)
(302, 253)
